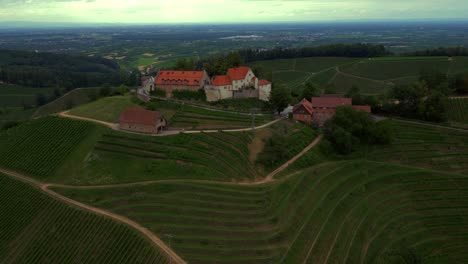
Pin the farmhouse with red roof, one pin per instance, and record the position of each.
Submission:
(139, 120)
(239, 82)
(320, 109)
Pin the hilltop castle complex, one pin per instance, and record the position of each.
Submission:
(239, 82)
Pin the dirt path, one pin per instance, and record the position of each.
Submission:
(45, 188)
(110, 125)
(115, 126)
(271, 176)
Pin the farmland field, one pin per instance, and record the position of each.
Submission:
(458, 110)
(357, 211)
(38, 229)
(38, 147)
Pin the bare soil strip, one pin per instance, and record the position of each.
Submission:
(270, 177)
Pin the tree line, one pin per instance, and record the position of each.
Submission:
(441, 51)
(359, 50)
(217, 65)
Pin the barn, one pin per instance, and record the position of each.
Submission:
(139, 120)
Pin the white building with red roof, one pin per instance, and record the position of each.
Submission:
(239, 82)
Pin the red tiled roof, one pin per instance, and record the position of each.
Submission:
(307, 105)
(365, 108)
(263, 82)
(238, 73)
(183, 78)
(221, 80)
(136, 115)
(330, 102)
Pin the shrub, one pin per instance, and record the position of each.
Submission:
(158, 92)
(190, 95)
(349, 128)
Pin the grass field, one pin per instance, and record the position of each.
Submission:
(39, 147)
(189, 117)
(71, 99)
(354, 211)
(458, 110)
(106, 109)
(38, 229)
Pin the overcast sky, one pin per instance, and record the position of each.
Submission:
(227, 11)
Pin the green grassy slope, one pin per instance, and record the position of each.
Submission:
(35, 228)
(106, 109)
(354, 211)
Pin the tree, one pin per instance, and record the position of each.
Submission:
(355, 93)
(350, 128)
(105, 91)
(310, 90)
(41, 99)
(280, 97)
(122, 89)
(434, 108)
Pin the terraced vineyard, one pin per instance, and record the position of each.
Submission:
(392, 68)
(353, 211)
(423, 146)
(40, 146)
(189, 117)
(121, 157)
(35, 228)
(458, 110)
(372, 76)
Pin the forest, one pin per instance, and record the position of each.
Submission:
(38, 69)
